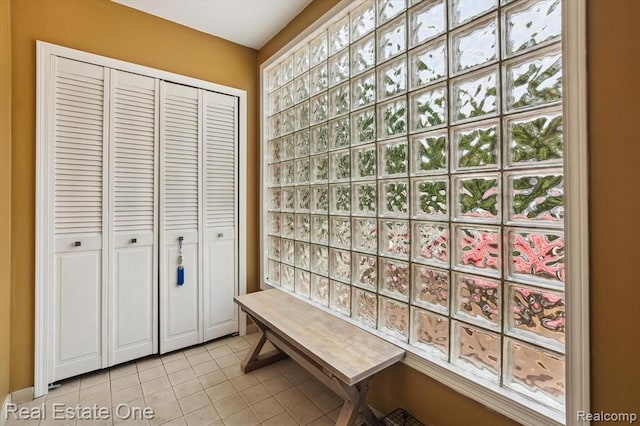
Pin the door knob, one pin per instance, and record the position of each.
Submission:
(220, 235)
(134, 240)
(78, 243)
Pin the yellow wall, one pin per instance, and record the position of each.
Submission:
(110, 29)
(5, 195)
(613, 85)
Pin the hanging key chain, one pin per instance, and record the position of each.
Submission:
(180, 264)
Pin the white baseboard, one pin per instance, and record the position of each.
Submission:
(3, 414)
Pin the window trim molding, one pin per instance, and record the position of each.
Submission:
(577, 361)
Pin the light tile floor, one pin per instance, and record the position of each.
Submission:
(202, 385)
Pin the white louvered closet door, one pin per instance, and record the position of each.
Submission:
(220, 179)
(179, 216)
(133, 285)
(78, 122)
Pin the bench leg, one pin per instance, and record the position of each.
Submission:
(254, 359)
(355, 404)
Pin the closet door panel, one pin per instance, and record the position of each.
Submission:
(78, 122)
(134, 159)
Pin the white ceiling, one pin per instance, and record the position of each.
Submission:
(251, 23)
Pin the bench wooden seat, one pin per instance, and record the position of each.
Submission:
(339, 354)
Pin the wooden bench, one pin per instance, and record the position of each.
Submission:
(339, 354)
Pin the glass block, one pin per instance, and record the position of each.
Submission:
(302, 255)
(288, 225)
(287, 277)
(340, 298)
(318, 79)
(340, 232)
(288, 199)
(430, 198)
(476, 350)
(465, 10)
(320, 230)
(301, 61)
(274, 126)
(430, 287)
(287, 121)
(534, 139)
(394, 238)
(274, 248)
(286, 70)
(302, 171)
(475, 45)
(388, 9)
(536, 256)
(364, 199)
(393, 279)
(364, 272)
(478, 249)
(363, 90)
(274, 103)
(320, 289)
(301, 88)
(535, 198)
(477, 300)
(428, 64)
(474, 95)
(392, 118)
(288, 147)
(426, 21)
(319, 138)
(363, 55)
(536, 315)
(273, 220)
(303, 283)
(319, 108)
(393, 157)
(273, 272)
(364, 307)
(319, 49)
(394, 318)
(288, 171)
(428, 108)
(430, 243)
(530, 24)
(429, 153)
(287, 96)
(302, 143)
(339, 35)
(274, 174)
(340, 265)
(319, 168)
(301, 120)
(339, 133)
(363, 162)
(392, 39)
(339, 165)
(393, 199)
(477, 198)
(339, 68)
(392, 78)
(477, 146)
(535, 372)
(303, 227)
(363, 19)
(320, 199)
(363, 126)
(287, 251)
(273, 78)
(303, 199)
(430, 332)
(339, 100)
(275, 148)
(275, 199)
(320, 260)
(534, 79)
(340, 199)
